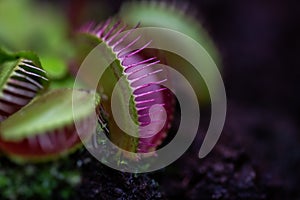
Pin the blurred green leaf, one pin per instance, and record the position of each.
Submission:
(36, 27)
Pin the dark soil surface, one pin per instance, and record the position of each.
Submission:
(256, 158)
(102, 182)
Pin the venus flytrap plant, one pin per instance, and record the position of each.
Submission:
(142, 84)
(45, 128)
(21, 79)
(177, 17)
(38, 126)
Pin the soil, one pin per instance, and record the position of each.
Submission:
(249, 162)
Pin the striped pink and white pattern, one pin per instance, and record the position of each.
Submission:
(21, 87)
(144, 77)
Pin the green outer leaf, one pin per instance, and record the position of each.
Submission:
(88, 41)
(48, 112)
(55, 66)
(30, 56)
(5, 56)
(13, 60)
(11, 63)
(6, 71)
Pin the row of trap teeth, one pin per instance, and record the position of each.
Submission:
(22, 86)
(144, 77)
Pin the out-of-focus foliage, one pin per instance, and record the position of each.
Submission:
(27, 25)
(45, 181)
(171, 16)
